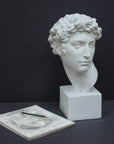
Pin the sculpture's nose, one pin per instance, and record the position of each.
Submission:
(87, 52)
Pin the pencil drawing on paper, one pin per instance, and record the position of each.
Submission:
(31, 125)
(28, 122)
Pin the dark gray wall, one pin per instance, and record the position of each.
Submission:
(28, 69)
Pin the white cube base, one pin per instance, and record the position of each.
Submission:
(80, 106)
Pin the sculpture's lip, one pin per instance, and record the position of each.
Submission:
(85, 62)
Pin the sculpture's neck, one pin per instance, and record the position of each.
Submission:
(82, 82)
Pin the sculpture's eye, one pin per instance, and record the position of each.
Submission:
(77, 45)
(92, 45)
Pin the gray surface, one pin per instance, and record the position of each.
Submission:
(99, 131)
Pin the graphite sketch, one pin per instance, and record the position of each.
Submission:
(31, 127)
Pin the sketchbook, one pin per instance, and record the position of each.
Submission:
(32, 127)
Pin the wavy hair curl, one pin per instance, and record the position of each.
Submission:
(69, 24)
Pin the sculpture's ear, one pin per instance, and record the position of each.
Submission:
(63, 51)
(58, 49)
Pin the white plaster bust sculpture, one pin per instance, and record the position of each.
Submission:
(73, 38)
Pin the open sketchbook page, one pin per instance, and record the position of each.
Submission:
(32, 127)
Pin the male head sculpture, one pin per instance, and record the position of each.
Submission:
(73, 38)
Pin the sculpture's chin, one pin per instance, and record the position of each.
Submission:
(83, 69)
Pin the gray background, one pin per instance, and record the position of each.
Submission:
(28, 69)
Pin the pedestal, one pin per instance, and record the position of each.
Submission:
(80, 106)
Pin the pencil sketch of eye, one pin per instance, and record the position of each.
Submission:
(34, 123)
(26, 122)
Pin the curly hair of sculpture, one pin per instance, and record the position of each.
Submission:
(70, 24)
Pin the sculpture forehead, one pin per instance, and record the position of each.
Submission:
(82, 36)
